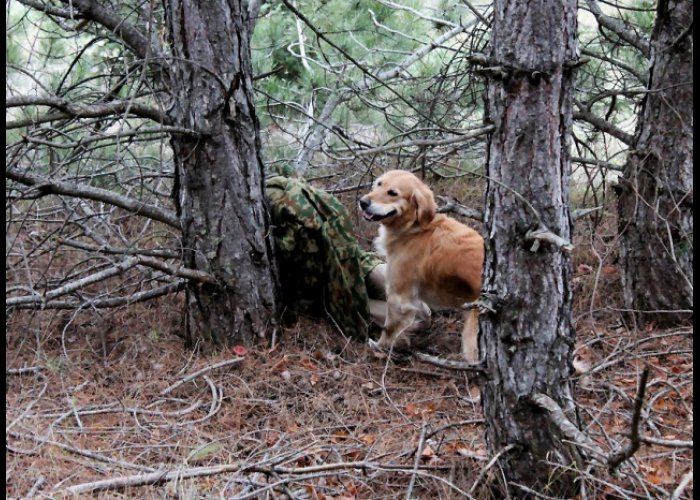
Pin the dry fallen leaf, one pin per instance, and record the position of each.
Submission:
(272, 439)
(427, 452)
(583, 269)
(203, 453)
(308, 364)
(239, 350)
(411, 409)
(368, 439)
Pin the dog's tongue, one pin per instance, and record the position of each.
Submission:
(367, 216)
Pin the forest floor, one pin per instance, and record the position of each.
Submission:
(312, 416)
(114, 405)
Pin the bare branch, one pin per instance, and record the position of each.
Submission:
(117, 136)
(452, 205)
(582, 212)
(71, 110)
(75, 305)
(418, 14)
(49, 186)
(73, 286)
(476, 12)
(603, 125)
(427, 142)
(137, 41)
(181, 271)
(543, 234)
(618, 27)
(642, 76)
(51, 9)
(156, 252)
(597, 163)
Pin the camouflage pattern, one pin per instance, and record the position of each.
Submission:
(322, 267)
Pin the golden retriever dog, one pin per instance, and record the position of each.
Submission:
(431, 258)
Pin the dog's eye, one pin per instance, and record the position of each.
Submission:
(391, 192)
(379, 183)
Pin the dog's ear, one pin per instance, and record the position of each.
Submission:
(425, 206)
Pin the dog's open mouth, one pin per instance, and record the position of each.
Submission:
(377, 217)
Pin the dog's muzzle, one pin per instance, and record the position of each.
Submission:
(368, 211)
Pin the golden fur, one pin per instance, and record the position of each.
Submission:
(431, 258)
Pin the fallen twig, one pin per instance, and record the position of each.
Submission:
(28, 408)
(682, 486)
(450, 364)
(22, 371)
(666, 442)
(421, 439)
(77, 451)
(164, 476)
(196, 374)
(40, 482)
(556, 414)
(483, 472)
(635, 442)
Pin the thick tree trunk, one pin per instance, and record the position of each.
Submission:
(528, 341)
(656, 195)
(219, 178)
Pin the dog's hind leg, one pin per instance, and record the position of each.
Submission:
(470, 335)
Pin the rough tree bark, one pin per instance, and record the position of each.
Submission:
(527, 343)
(219, 176)
(656, 190)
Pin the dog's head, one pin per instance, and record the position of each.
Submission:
(399, 199)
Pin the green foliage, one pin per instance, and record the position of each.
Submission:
(611, 83)
(349, 26)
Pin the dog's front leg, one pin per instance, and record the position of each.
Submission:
(401, 313)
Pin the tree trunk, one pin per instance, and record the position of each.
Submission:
(528, 341)
(656, 195)
(219, 176)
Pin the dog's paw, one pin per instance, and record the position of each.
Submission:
(399, 351)
(378, 350)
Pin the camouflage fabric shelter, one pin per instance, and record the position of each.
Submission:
(322, 267)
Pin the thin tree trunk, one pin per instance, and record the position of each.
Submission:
(219, 181)
(528, 341)
(656, 190)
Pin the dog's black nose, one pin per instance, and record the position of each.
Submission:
(364, 203)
